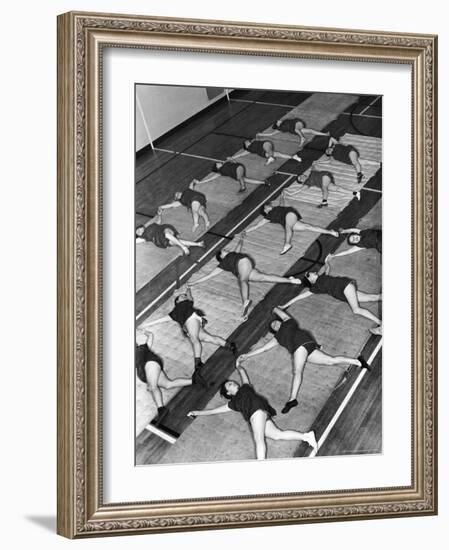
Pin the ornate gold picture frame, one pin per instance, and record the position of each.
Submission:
(82, 39)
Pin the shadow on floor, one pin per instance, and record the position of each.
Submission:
(46, 522)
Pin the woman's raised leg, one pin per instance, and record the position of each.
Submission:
(258, 422)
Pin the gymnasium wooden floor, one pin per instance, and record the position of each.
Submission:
(343, 405)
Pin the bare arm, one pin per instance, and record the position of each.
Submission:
(302, 137)
(150, 339)
(159, 321)
(352, 230)
(300, 296)
(174, 204)
(207, 179)
(281, 314)
(260, 223)
(267, 134)
(239, 155)
(243, 375)
(266, 347)
(208, 412)
(351, 250)
(213, 273)
(238, 247)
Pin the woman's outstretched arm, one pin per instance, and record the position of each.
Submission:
(208, 412)
(213, 273)
(163, 319)
(300, 296)
(269, 345)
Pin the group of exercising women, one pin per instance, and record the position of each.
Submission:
(286, 332)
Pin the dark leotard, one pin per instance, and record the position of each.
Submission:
(183, 311)
(256, 147)
(155, 233)
(188, 196)
(371, 238)
(288, 125)
(247, 402)
(278, 214)
(341, 153)
(318, 143)
(291, 337)
(231, 261)
(333, 286)
(229, 169)
(315, 178)
(143, 356)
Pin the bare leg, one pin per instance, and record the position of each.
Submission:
(299, 362)
(351, 296)
(279, 155)
(240, 174)
(152, 371)
(290, 221)
(325, 183)
(199, 244)
(318, 357)
(174, 241)
(258, 423)
(259, 277)
(252, 180)
(203, 213)
(245, 268)
(354, 158)
(273, 432)
(167, 383)
(301, 226)
(269, 151)
(364, 297)
(193, 326)
(195, 215)
(211, 338)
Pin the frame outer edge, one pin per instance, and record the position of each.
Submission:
(78, 301)
(66, 287)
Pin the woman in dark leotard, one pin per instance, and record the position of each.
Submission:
(192, 321)
(194, 201)
(244, 268)
(295, 126)
(256, 410)
(230, 169)
(289, 218)
(340, 288)
(346, 154)
(360, 239)
(150, 370)
(302, 347)
(163, 235)
(322, 179)
(264, 149)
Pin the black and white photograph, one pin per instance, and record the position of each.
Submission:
(258, 274)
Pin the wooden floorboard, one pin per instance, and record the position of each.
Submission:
(164, 184)
(150, 448)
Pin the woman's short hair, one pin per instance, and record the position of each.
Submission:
(270, 327)
(178, 298)
(218, 256)
(305, 280)
(223, 391)
(262, 208)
